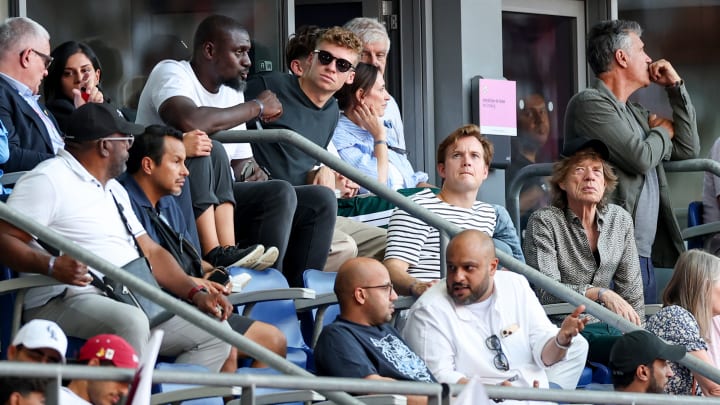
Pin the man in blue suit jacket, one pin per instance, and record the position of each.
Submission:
(24, 58)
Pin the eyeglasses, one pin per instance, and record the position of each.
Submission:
(129, 138)
(500, 361)
(47, 59)
(326, 58)
(388, 287)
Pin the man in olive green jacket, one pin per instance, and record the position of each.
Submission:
(638, 140)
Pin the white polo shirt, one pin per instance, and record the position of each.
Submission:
(62, 195)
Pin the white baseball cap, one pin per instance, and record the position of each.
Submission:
(42, 334)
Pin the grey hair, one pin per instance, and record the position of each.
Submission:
(369, 30)
(17, 33)
(605, 38)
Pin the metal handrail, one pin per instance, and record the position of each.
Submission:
(545, 169)
(336, 384)
(535, 277)
(178, 307)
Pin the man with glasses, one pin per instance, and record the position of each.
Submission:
(39, 341)
(76, 195)
(361, 343)
(33, 134)
(489, 324)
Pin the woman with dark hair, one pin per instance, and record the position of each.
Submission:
(73, 80)
(361, 136)
(690, 300)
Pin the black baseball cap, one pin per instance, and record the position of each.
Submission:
(571, 147)
(97, 120)
(641, 347)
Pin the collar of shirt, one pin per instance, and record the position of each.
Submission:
(600, 213)
(77, 167)
(23, 90)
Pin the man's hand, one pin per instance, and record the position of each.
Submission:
(70, 271)
(325, 176)
(197, 143)
(662, 73)
(214, 304)
(211, 286)
(248, 170)
(272, 109)
(420, 287)
(571, 326)
(347, 187)
(617, 304)
(655, 121)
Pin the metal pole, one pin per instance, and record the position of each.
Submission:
(534, 276)
(167, 301)
(432, 390)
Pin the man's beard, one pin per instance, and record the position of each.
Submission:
(235, 83)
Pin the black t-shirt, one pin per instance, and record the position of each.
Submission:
(347, 349)
(284, 161)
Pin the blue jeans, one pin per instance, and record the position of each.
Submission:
(647, 271)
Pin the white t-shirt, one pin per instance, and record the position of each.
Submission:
(68, 397)
(171, 78)
(62, 195)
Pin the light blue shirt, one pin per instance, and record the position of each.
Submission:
(355, 146)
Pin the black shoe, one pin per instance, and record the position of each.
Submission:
(233, 256)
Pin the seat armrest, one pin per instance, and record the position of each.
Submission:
(701, 230)
(320, 300)
(249, 297)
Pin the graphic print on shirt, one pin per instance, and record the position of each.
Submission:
(404, 359)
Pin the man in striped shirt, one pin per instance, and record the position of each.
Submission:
(413, 249)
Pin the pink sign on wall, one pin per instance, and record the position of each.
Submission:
(498, 115)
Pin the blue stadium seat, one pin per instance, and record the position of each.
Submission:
(323, 283)
(695, 218)
(280, 312)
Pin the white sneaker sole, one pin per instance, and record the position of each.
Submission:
(267, 259)
(250, 258)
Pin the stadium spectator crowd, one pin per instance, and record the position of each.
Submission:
(130, 191)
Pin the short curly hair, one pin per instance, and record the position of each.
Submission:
(341, 37)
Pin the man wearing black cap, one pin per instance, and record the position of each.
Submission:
(639, 362)
(76, 195)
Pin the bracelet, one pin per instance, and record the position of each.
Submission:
(600, 293)
(675, 85)
(381, 142)
(51, 264)
(262, 108)
(198, 288)
(559, 346)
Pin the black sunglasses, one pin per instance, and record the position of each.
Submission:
(500, 361)
(326, 58)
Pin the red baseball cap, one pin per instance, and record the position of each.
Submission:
(109, 347)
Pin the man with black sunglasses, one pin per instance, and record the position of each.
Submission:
(489, 324)
(310, 109)
(361, 343)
